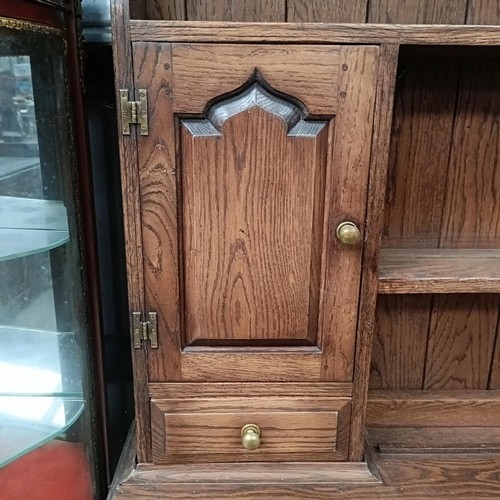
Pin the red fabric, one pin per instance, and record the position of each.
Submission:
(56, 471)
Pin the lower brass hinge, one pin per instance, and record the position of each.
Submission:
(144, 330)
(134, 112)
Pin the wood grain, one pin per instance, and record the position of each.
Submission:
(158, 195)
(124, 78)
(346, 191)
(494, 379)
(319, 33)
(421, 135)
(433, 408)
(224, 389)
(236, 10)
(433, 440)
(228, 67)
(461, 339)
(251, 260)
(247, 364)
(166, 10)
(417, 11)
(415, 476)
(204, 429)
(376, 192)
(440, 270)
(326, 11)
(471, 214)
(483, 12)
(400, 342)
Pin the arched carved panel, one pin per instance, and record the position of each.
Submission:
(253, 175)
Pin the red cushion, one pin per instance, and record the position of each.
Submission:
(55, 471)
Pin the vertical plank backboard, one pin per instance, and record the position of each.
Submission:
(483, 12)
(461, 339)
(399, 346)
(167, 10)
(417, 11)
(326, 11)
(236, 10)
(471, 212)
(421, 135)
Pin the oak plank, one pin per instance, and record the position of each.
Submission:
(461, 339)
(483, 12)
(124, 79)
(244, 366)
(400, 342)
(227, 67)
(320, 33)
(171, 10)
(465, 476)
(288, 472)
(348, 166)
(236, 10)
(158, 197)
(424, 102)
(252, 231)
(471, 214)
(443, 270)
(374, 218)
(494, 379)
(434, 439)
(225, 389)
(417, 11)
(326, 11)
(387, 408)
(186, 427)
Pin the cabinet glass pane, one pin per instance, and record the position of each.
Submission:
(43, 337)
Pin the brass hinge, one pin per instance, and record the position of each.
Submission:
(144, 330)
(134, 111)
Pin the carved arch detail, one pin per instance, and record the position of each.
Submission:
(254, 95)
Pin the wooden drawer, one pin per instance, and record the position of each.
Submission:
(209, 428)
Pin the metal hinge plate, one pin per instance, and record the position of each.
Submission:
(134, 111)
(144, 330)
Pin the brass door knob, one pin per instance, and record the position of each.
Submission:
(250, 437)
(348, 233)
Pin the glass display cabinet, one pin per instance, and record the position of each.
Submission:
(47, 375)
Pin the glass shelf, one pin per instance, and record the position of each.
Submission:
(37, 402)
(30, 226)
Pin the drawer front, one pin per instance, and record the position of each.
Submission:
(289, 428)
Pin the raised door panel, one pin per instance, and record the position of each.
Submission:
(252, 223)
(249, 167)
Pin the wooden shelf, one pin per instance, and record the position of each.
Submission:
(411, 270)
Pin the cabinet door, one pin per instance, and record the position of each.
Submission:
(255, 155)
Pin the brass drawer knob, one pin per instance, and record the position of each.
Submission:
(348, 233)
(250, 437)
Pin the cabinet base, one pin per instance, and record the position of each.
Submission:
(406, 463)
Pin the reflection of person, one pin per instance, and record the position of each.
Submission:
(8, 113)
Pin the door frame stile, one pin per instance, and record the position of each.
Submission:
(124, 78)
(374, 220)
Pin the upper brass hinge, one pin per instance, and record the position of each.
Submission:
(134, 111)
(144, 330)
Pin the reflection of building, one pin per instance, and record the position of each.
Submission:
(10, 128)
